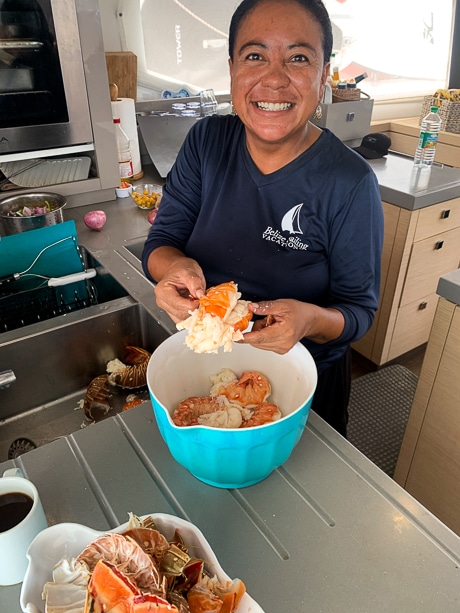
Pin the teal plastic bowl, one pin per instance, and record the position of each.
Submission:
(230, 458)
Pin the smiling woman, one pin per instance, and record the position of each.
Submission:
(309, 259)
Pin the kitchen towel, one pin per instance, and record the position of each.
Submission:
(125, 109)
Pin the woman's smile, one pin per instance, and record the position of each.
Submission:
(274, 106)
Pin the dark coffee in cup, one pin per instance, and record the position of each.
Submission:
(21, 518)
(14, 507)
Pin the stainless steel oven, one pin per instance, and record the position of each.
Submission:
(43, 97)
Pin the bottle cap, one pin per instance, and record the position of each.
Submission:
(434, 109)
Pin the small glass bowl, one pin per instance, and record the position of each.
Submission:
(147, 196)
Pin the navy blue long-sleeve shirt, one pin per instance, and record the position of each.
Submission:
(311, 231)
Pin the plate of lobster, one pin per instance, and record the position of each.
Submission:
(155, 562)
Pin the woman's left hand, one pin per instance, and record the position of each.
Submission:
(286, 321)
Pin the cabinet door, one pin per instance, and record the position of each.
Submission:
(430, 259)
(438, 218)
(434, 474)
(412, 326)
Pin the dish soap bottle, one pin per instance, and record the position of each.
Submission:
(125, 162)
(429, 131)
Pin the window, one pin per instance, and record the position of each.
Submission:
(403, 45)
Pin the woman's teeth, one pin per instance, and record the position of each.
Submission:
(274, 106)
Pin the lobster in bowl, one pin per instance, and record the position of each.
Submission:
(232, 457)
(219, 320)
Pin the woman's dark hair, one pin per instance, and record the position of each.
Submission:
(315, 7)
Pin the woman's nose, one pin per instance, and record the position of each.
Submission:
(276, 75)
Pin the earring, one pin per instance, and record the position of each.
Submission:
(318, 112)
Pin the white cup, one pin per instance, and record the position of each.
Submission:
(15, 539)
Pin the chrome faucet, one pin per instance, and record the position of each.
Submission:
(7, 377)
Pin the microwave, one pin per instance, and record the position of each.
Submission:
(43, 97)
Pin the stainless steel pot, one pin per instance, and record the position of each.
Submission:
(14, 225)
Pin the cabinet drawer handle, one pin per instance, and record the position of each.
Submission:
(445, 214)
(422, 306)
(439, 245)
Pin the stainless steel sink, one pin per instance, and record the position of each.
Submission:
(131, 252)
(135, 248)
(55, 360)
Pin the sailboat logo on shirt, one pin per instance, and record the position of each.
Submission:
(291, 220)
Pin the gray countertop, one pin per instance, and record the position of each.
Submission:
(326, 533)
(412, 188)
(449, 286)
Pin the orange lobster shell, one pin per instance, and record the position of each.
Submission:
(109, 591)
(220, 300)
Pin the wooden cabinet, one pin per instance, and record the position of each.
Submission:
(404, 135)
(419, 247)
(428, 466)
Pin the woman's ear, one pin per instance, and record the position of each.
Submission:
(230, 68)
(324, 76)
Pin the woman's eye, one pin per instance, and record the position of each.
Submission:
(253, 56)
(300, 59)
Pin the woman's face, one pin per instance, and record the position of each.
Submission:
(277, 72)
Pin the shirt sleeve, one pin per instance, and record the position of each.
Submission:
(355, 258)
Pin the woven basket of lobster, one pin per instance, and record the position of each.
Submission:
(448, 103)
(348, 95)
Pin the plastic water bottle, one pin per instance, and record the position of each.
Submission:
(125, 162)
(429, 131)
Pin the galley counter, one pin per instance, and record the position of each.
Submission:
(328, 532)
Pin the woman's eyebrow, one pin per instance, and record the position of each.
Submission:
(256, 43)
(252, 43)
(307, 46)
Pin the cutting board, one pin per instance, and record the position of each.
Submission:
(122, 70)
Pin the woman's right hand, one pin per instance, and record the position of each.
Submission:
(180, 287)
